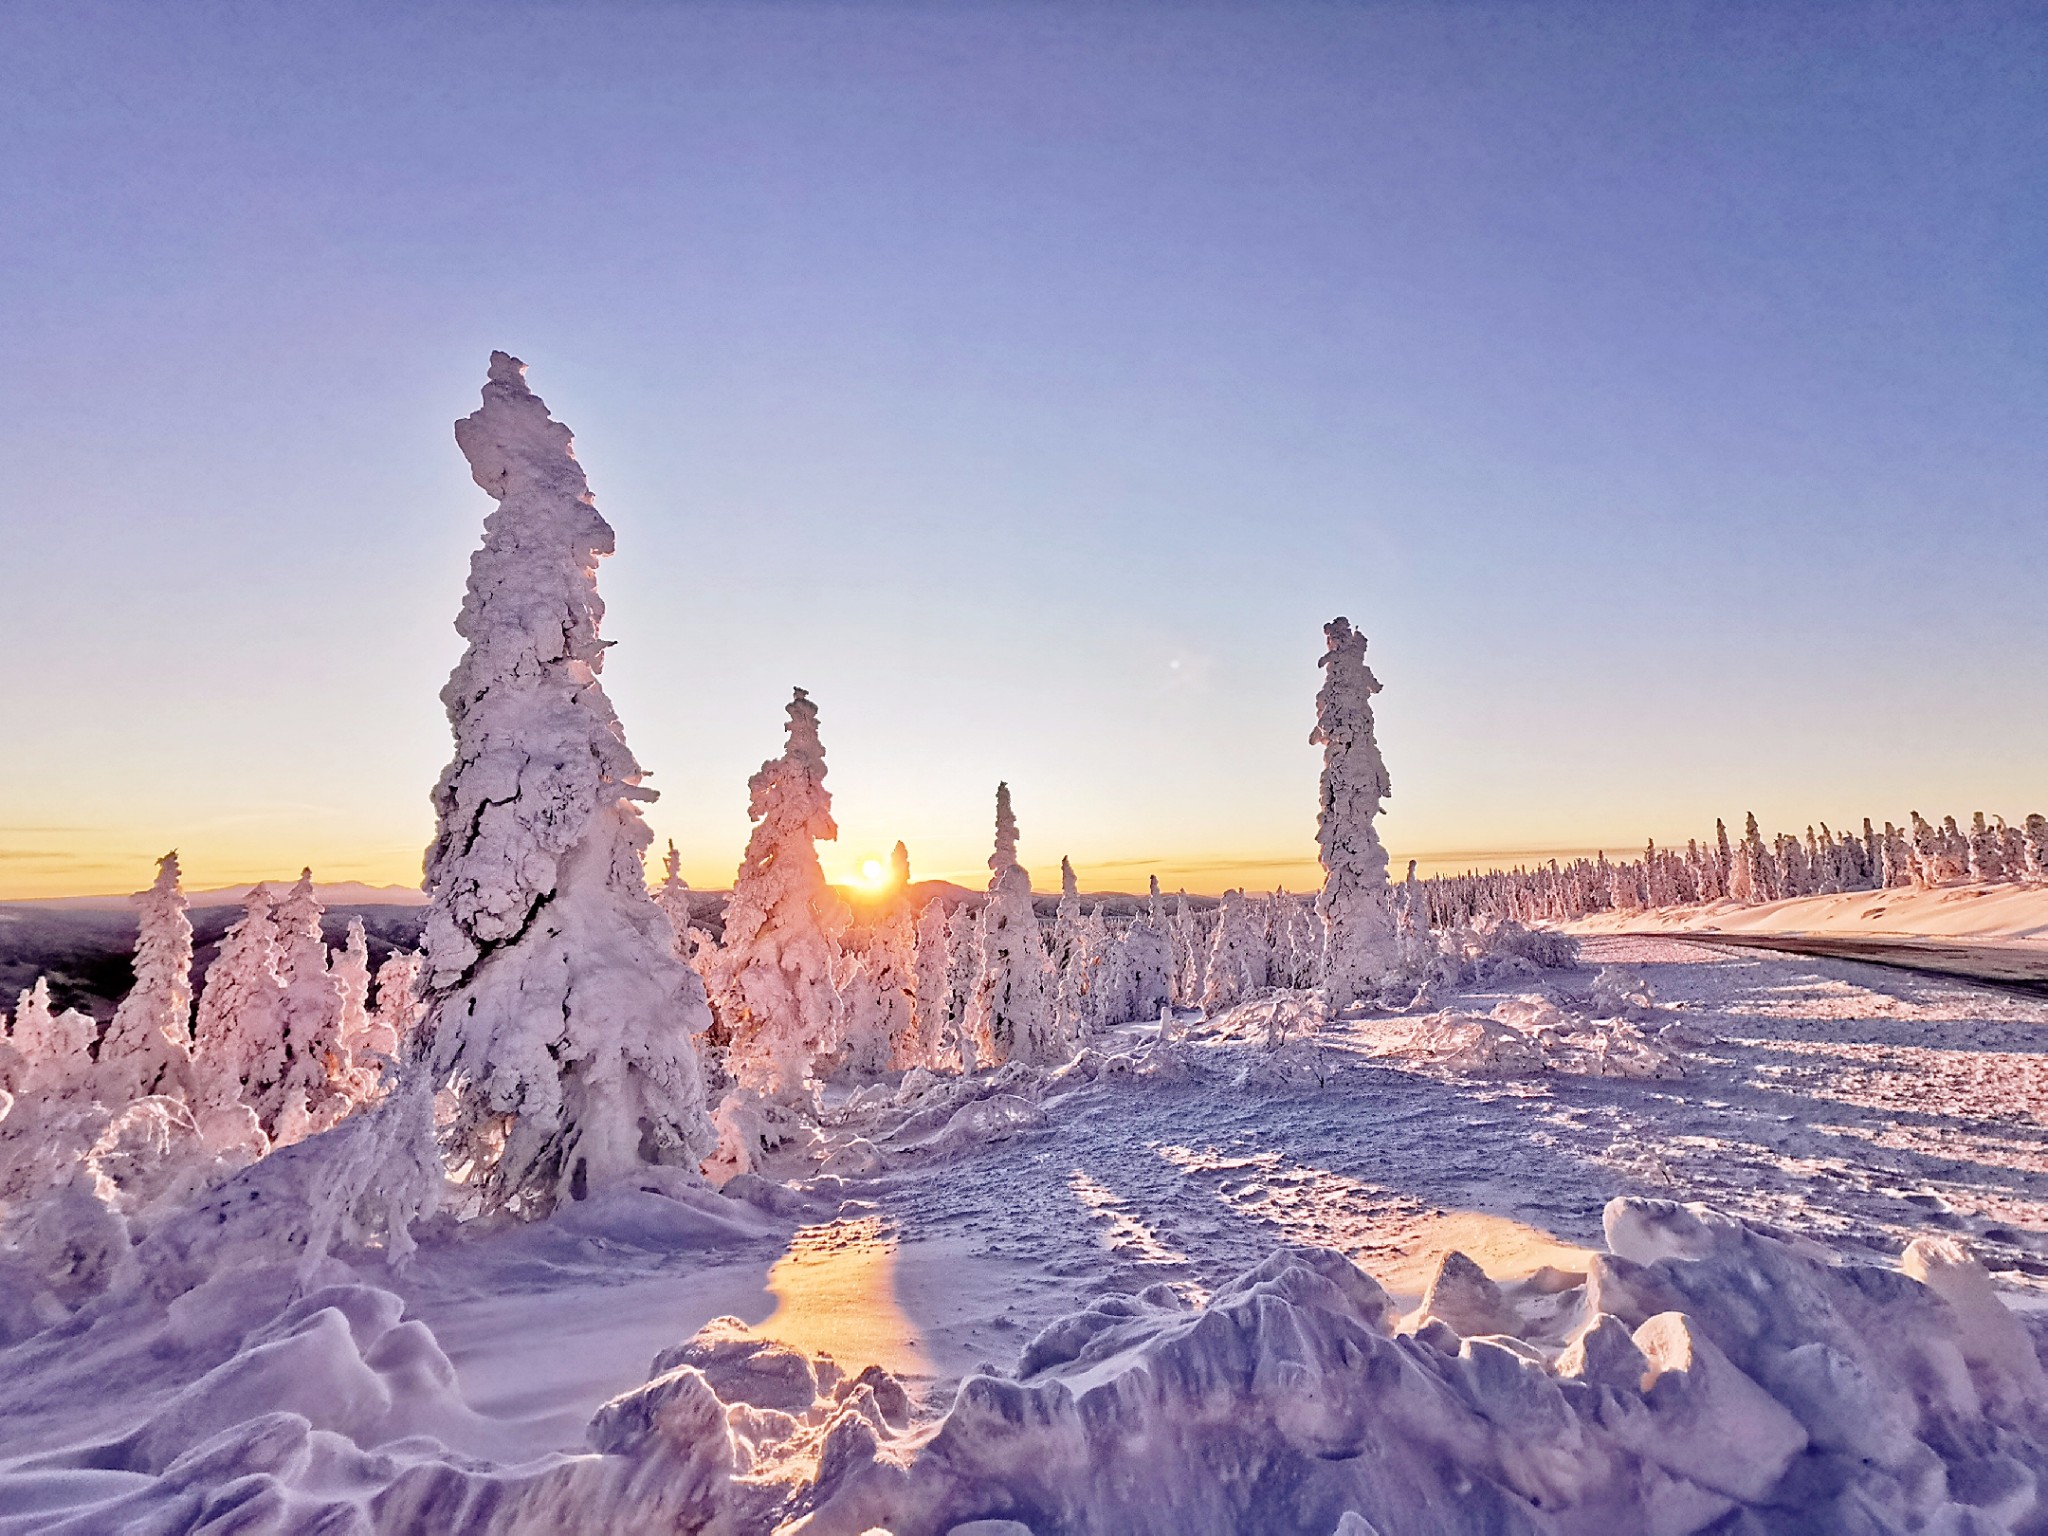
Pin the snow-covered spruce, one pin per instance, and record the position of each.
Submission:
(1011, 1017)
(398, 1010)
(1360, 946)
(880, 983)
(312, 1094)
(1238, 954)
(673, 897)
(238, 1055)
(55, 1048)
(1147, 959)
(148, 1044)
(558, 1012)
(773, 975)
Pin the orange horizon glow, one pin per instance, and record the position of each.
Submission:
(70, 863)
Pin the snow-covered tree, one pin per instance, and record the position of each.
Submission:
(1148, 959)
(936, 1005)
(1012, 1018)
(1069, 972)
(673, 897)
(1096, 962)
(350, 968)
(772, 978)
(1190, 953)
(1986, 851)
(148, 1044)
(882, 985)
(1237, 955)
(238, 1054)
(2036, 864)
(55, 1048)
(316, 1064)
(1359, 923)
(558, 1012)
(963, 979)
(398, 1009)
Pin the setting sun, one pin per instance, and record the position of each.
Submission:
(873, 872)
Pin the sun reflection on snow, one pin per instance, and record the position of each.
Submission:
(835, 1293)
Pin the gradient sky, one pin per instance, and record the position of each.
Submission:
(1662, 388)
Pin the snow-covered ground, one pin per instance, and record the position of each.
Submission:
(2005, 912)
(940, 1231)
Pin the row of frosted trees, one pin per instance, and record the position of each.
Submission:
(801, 986)
(1750, 871)
(556, 1030)
(285, 1041)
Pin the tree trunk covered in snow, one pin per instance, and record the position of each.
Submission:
(557, 1009)
(1358, 922)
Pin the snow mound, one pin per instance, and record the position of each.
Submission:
(1712, 1370)
(1527, 1035)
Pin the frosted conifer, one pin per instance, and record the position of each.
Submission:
(399, 1008)
(2036, 864)
(673, 898)
(350, 968)
(1069, 970)
(1986, 851)
(238, 1052)
(934, 1004)
(315, 1066)
(55, 1048)
(148, 1045)
(964, 960)
(1148, 959)
(772, 978)
(1237, 955)
(1012, 1019)
(1360, 926)
(557, 1010)
(880, 1032)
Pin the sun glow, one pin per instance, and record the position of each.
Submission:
(873, 873)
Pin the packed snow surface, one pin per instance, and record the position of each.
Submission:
(1267, 1271)
(2003, 912)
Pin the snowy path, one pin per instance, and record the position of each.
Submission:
(1837, 1100)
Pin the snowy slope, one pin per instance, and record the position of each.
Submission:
(2004, 912)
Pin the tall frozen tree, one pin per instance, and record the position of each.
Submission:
(1148, 959)
(238, 1054)
(399, 1007)
(935, 1002)
(773, 974)
(557, 1011)
(1069, 970)
(148, 1045)
(1190, 953)
(1237, 955)
(881, 983)
(1359, 925)
(963, 980)
(350, 968)
(315, 1064)
(673, 897)
(1012, 1018)
(2035, 863)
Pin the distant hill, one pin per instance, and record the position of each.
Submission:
(343, 893)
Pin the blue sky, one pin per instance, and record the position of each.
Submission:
(1660, 387)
